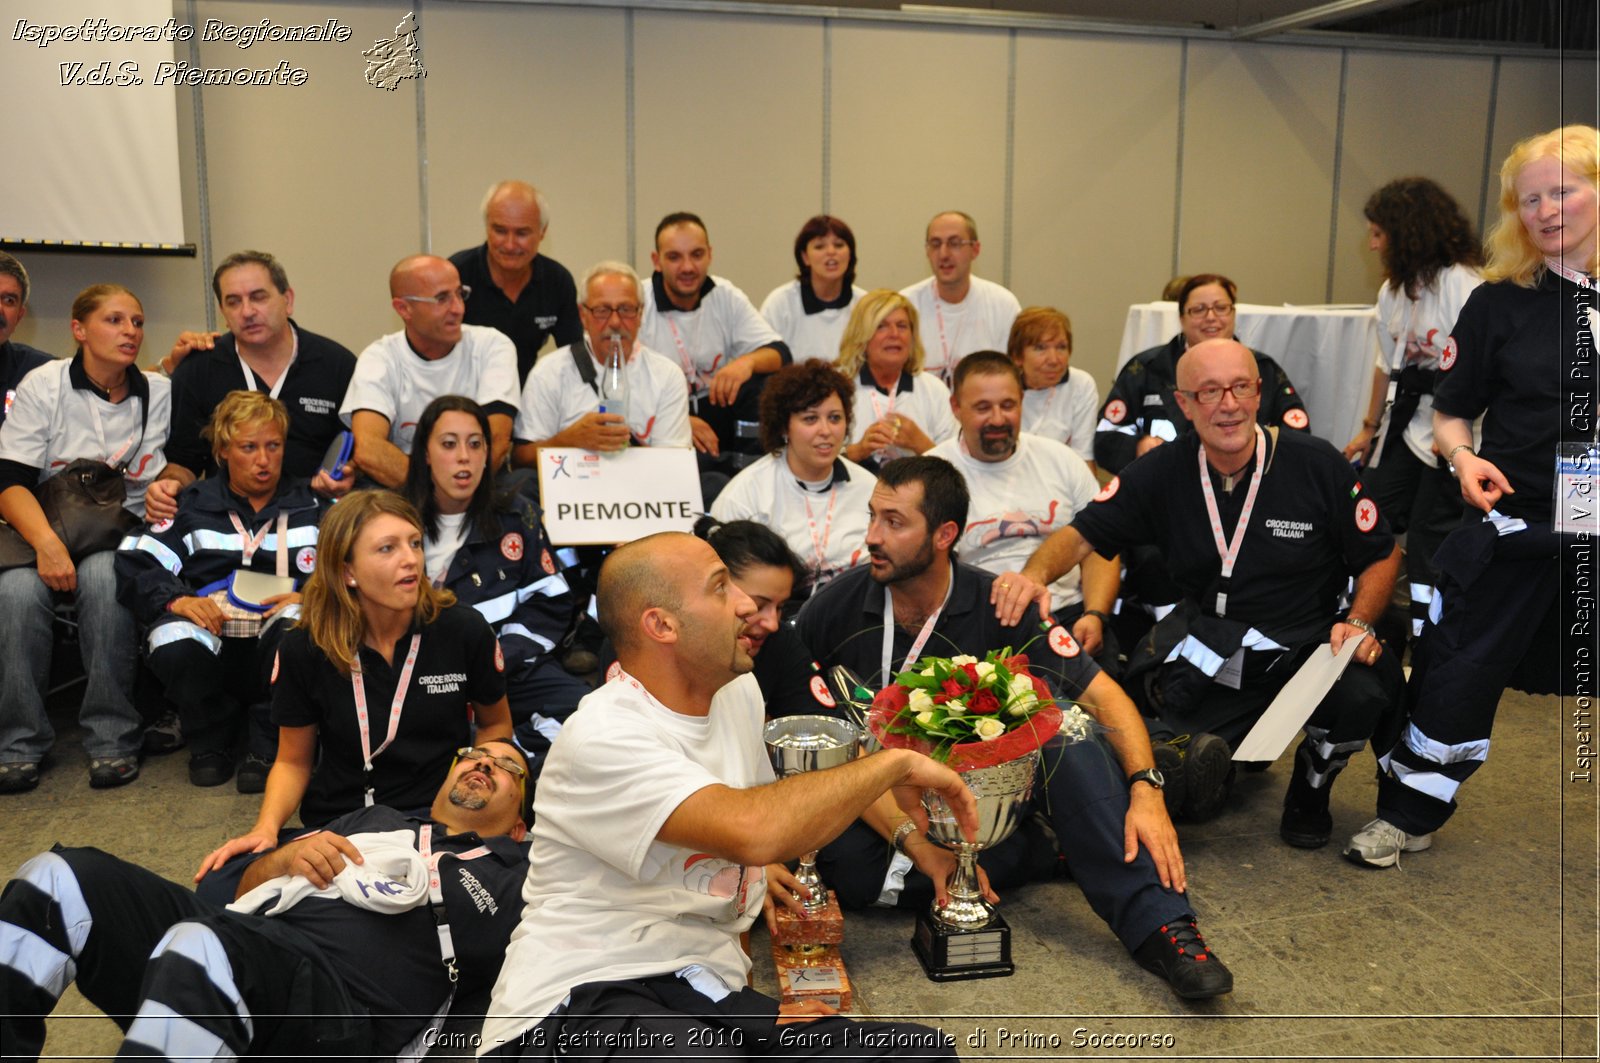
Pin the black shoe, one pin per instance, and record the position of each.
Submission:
(164, 736)
(252, 777)
(18, 778)
(1207, 776)
(211, 768)
(106, 772)
(1306, 823)
(1169, 762)
(1179, 954)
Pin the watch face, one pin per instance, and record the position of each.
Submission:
(1152, 776)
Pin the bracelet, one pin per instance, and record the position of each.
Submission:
(1103, 618)
(901, 833)
(1357, 622)
(1450, 458)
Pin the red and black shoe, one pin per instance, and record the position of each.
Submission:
(1179, 954)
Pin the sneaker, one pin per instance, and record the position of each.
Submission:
(106, 772)
(211, 768)
(164, 736)
(1179, 954)
(1169, 762)
(1380, 843)
(18, 778)
(252, 777)
(1207, 776)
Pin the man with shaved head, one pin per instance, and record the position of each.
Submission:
(655, 816)
(435, 354)
(526, 295)
(1262, 533)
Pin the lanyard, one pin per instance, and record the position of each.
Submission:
(367, 752)
(250, 378)
(1582, 280)
(944, 344)
(116, 460)
(1229, 552)
(249, 544)
(922, 636)
(819, 545)
(699, 383)
(441, 916)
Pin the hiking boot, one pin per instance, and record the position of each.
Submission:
(164, 736)
(1380, 843)
(1179, 954)
(106, 772)
(1207, 775)
(18, 778)
(252, 777)
(210, 768)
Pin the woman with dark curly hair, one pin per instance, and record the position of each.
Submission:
(811, 311)
(1430, 259)
(805, 489)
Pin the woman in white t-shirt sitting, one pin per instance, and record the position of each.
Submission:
(1060, 402)
(899, 409)
(804, 488)
(96, 405)
(810, 312)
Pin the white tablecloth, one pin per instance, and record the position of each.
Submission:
(1328, 352)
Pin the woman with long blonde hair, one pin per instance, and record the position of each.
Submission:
(382, 679)
(899, 409)
(1522, 355)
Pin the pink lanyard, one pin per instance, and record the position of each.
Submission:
(944, 345)
(367, 752)
(249, 544)
(820, 546)
(447, 945)
(1229, 552)
(698, 382)
(1582, 280)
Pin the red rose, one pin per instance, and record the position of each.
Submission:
(1017, 662)
(984, 703)
(953, 686)
(940, 699)
(972, 674)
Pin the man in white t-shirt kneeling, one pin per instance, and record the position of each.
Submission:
(655, 817)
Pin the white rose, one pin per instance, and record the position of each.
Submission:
(925, 718)
(985, 671)
(964, 659)
(920, 702)
(989, 729)
(1022, 704)
(928, 671)
(1021, 685)
(955, 708)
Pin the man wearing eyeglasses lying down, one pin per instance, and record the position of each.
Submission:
(1261, 530)
(353, 940)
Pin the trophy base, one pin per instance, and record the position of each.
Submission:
(816, 975)
(949, 955)
(824, 928)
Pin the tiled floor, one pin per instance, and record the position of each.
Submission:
(1483, 947)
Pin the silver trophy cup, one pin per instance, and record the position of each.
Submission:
(810, 743)
(967, 938)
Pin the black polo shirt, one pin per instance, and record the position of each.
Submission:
(1514, 356)
(17, 360)
(458, 662)
(1313, 527)
(842, 623)
(312, 390)
(546, 306)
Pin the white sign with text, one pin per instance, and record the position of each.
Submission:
(616, 497)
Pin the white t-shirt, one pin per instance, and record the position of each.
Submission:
(1067, 412)
(922, 397)
(604, 899)
(1425, 323)
(397, 382)
(1018, 502)
(701, 341)
(826, 529)
(439, 552)
(950, 331)
(52, 424)
(555, 396)
(814, 336)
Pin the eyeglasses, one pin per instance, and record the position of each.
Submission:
(1245, 389)
(504, 763)
(1195, 313)
(955, 243)
(627, 312)
(443, 298)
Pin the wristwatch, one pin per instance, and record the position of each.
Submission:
(1149, 775)
(901, 833)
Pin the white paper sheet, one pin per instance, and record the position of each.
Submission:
(1295, 703)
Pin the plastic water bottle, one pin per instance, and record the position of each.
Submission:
(613, 383)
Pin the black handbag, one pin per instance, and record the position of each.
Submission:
(84, 504)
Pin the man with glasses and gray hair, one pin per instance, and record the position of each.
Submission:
(435, 354)
(959, 313)
(17, 360)
(561, 404)
(528, 296)
(1262, 531)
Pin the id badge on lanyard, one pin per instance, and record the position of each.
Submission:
(1576, 507)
